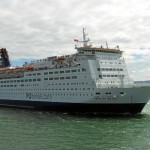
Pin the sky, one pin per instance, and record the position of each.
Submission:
(36, 29)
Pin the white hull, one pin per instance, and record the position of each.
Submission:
(132, 101)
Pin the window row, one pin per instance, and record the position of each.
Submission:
(56, 94)
(100, 76)
(55, 72)
(62, 71)
(50, 84)
(18, 85)
(22, 80)
(109, 69)
(61, 78)
(52, 89)
(70, 89)
(58, 72)
(74, 83)
(103, 51)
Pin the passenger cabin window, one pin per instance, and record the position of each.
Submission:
(74, 71)
(74, 77)
(83, 70)
(100, 76)
(67, 71)
(56, 78)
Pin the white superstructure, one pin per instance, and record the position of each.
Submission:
(95, 79)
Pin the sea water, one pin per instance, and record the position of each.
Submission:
(22, 129)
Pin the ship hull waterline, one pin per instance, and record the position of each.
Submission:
(133, 108)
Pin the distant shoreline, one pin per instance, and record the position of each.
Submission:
(142, 83)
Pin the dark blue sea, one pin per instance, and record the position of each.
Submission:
(22, 129)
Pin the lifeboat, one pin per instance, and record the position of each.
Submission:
(30, 68)
(61, 58)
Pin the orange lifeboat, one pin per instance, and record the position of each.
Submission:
(61, 58)
(30, 68)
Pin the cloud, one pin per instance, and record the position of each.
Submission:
(138, 62)
(37, 29)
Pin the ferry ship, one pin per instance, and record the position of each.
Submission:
(92, 80)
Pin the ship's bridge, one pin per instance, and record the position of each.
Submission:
(98, 49)
(87, 47)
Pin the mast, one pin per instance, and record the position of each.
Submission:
(85, 41)
(84, 37)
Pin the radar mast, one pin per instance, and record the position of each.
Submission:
(85, 41)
